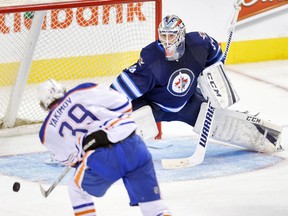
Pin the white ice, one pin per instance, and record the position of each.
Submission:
(262, 88)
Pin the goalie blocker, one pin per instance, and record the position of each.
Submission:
(242, 129)
(216, 87)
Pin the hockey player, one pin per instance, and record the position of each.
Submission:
(167, 77)
(90, 128)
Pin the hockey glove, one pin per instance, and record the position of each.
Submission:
(95, 140)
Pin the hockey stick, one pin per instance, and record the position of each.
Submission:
(198, 156)
(46, 193)
(232, 27)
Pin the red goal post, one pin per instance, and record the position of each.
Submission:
(71, 41)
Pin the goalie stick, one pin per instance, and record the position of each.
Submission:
(198, 156)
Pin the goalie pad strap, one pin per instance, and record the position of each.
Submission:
(268, 135)
(241, 129)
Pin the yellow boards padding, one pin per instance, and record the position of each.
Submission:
(68, 68)
(82, 66)
(257, 50)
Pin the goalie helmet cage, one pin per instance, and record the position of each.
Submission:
(69, 41)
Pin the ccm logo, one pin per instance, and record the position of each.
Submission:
(213, 85)
(253, 119)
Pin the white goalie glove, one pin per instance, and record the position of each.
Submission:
(242, 129)
(216, 87)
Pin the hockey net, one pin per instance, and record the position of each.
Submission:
(70, 41)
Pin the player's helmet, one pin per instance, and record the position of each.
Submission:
(172, 37)
(48, 92)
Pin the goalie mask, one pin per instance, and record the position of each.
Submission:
(49, 92)
(172, 37)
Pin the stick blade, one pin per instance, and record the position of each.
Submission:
(179, 163)
(43, 191)
(194, 160)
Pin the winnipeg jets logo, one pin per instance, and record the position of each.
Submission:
(180, 82)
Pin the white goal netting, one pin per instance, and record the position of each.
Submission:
(71, 43)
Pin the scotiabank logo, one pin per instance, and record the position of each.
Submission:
(63, 18)
(253, 7)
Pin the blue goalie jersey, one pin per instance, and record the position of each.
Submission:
(169, 84)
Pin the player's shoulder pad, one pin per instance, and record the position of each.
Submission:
(196, 38)
(83, 86)
(86, 85)
(150, 54)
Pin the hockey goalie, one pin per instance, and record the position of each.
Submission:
(168, 75)
(238, 128)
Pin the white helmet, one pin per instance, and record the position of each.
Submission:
(172, 37)
(48, 92)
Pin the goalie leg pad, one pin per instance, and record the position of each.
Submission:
(146, 125)
(242, 129)
(283, 140)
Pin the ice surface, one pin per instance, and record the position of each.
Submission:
(230, 182)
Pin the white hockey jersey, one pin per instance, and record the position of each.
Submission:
(84, 109)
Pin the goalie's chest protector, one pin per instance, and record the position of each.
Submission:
(177, 80)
